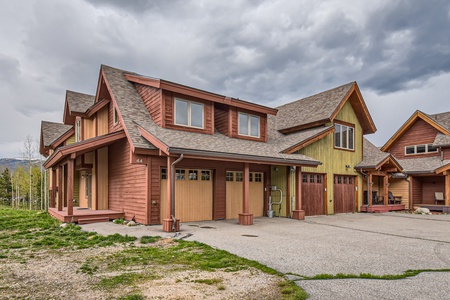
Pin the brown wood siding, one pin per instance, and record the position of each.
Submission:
(127, 183)
(344, 194)
(155, 188)
(416, 187)
(420, 133)
(400, 188)
(430, 185)
(313, 186)
(102, 178)
(221, 118)
(88, 128)
(102, 121)
(446, 153)
(262, 125)
(152, 100)
(111, 126)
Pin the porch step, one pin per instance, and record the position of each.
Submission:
(92, 220)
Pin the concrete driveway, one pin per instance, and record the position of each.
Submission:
(378, 244)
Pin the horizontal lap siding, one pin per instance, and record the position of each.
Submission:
(127, 183)
(446, 153)
(155, 188)
(221, 118)
(152, 100)
(111, 126)
(420, 133)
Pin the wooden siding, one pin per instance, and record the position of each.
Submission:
(221, 118)
(235, 123)
(102, 121)
(82, 190)
(334, 160)
(278, 178)
(313, 194)
(127, 183)
(76, 189)
(88, 129)
(152, 100)
(344, 194)
(102, 178)
(208, 113)
(111, 126)
(430, 185)
(416, 188)
(70, 140)
(400, 188)
(446, 153)
(419, 133)
(235, 195)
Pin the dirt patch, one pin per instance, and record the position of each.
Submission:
(62, 275)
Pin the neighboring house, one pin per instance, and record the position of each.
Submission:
(157, 151)
(422, 147)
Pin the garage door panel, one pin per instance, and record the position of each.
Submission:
(312, 194)
(235, 192)
(344, 194)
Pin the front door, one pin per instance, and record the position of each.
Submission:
(89, 189)
(344, 194)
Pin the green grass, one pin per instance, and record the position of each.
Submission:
(33, 230)
(149, 239)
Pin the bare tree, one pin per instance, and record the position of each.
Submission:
(28, 154)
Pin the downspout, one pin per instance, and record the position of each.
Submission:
(172, 190)
(367, 176)
(410, 204)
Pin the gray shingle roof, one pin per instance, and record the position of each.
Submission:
(311, 109)
(422, 165)
(79, 102)
(52, 131)
(442, 119)
(441, 140)
(133, 111)
(373, 156)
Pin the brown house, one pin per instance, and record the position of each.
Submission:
(157, 152)
(422, 147)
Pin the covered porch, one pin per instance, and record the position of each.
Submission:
(83, 215)
(432, 191)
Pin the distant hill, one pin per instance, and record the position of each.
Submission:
(14, 163)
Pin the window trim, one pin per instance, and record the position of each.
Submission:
(78, 130)
(189, 113)
(348, 125)
(115, 116)
(249, 128)
(414, 147)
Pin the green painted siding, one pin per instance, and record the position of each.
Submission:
(70, 140)
(278, 178)
(76, 188)
(335, 160)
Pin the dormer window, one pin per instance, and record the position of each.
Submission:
(344, 137)
(188, 113)
(248, 125)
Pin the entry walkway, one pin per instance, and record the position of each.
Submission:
(378, 244)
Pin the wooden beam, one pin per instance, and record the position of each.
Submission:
(297, 212)
(385, 189)
(288, 191)
(170, 160)
(246, 190)
(369, 191)
(53, 190)
(60, 188)
(447, 189)
(70, 171)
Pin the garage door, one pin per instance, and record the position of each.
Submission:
(312, 194)
(344, 194)
(193, 194)
(234, 194)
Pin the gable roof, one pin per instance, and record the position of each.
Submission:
(374, 158)
(440, 121)
(423, 165)
(322, 108)
(76, 103)
(50, 133)
(143, 132)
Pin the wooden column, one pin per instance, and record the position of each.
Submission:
(369, 191)
(385, 189)
(447, 188)
(53, 190)
(288, 191)
(70, 170)
(168, 221)
(298, 213)
(60, 188)
(246, 218)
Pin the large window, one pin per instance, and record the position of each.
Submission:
(248, 125)
(188, 113)
(344, 137)
(420, 149)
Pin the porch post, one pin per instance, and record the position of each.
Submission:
(60, 188)
(369, 191)
(246, 218)
(53, 191)
(70, 168)
(298, 213)
(168, 221)
(385, 189)
(447, 188)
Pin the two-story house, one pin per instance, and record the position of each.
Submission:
(422, 147)
(160, 152)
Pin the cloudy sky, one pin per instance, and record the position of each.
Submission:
(269, 52)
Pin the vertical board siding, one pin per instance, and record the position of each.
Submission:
(152, 100)
(70, 140)
(221, 118)
(102, 178)
(400, 188)
(278, 178)
(76, 188)
(102, 121)
(419, 133)
(127, 183)
(88, 129)
(334, 160)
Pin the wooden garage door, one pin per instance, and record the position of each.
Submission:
(344, 194)
(234, 194)
(312, 194)
(193, 194)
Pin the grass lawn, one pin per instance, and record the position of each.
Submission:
(123, 267)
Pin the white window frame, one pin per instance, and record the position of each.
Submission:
(249, 127)
(418, 145)
(78, 130)
(348, 137)
(189, 113)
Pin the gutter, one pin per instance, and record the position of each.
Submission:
(172, 189)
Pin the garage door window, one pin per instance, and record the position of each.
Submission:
(193, 174)
(163, 173)
(206, 175)
(180, 175)
(258, 177)
(229, 176)
(238, 176)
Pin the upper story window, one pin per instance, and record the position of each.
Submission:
(420, 149)
(248, 125)
(116, 116)
(78, 130)
(344, 137)
(188, 113)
